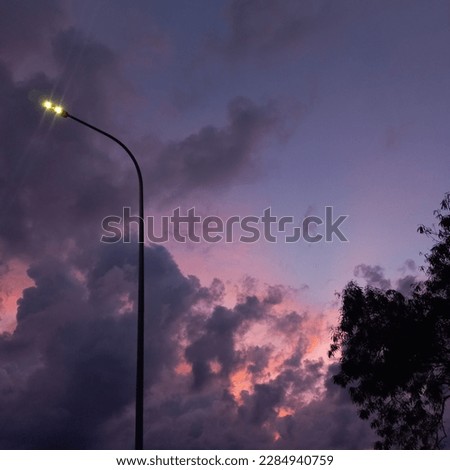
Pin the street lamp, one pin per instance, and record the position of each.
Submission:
(139, 417)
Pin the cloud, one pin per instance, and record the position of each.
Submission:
(217, 341)
(410, 265)
(327, 423)
(373, 275)
(213, 156)
(405, 285)
(67, 371)
(68, 368)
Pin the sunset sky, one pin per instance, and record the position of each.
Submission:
(231, 107)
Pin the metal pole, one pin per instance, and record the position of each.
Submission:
(139, 417)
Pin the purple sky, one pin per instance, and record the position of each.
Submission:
(231, 107)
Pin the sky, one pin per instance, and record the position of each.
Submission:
(231, 107)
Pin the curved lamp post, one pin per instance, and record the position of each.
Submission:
(139, 417)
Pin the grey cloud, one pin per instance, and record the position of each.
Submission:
(217, 340)
(405, 285)
(211, 418)
(69, 364)
(67, 377)
(327, 423)
(261, 403)
(373, 275)
(274, 295)
(258, 358)
(410, 264)
(214, 156)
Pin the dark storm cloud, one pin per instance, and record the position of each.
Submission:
(67, 375)
(69, 366)
(62, 361)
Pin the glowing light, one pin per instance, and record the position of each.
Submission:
(57, 109)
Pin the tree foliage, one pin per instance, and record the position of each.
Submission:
(394, 352)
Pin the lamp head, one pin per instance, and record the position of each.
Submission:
(56, 108)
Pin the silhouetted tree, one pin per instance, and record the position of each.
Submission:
(394, 352)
